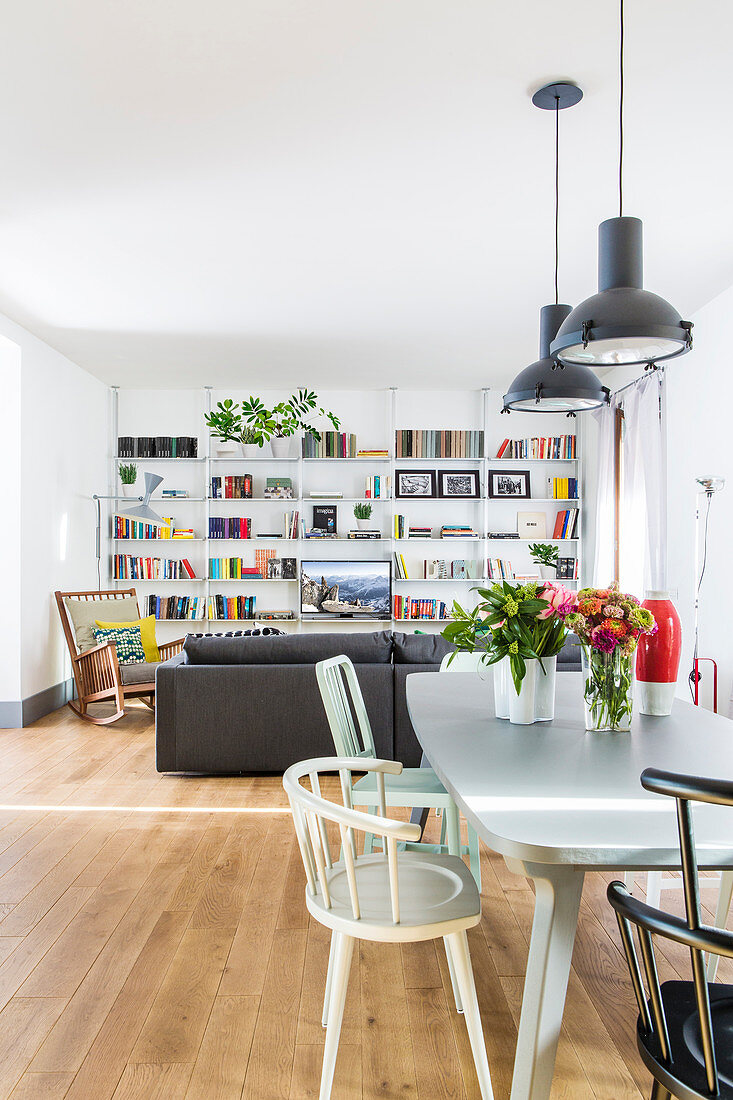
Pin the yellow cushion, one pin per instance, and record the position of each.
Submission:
(147, 634)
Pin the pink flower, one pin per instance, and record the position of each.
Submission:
(603, 639)
(561, 601)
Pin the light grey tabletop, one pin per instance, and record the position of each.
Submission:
(552, 793)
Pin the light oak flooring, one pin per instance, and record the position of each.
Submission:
(154, 943)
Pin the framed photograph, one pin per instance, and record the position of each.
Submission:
(512, 484)
(459, 484)
(414, 484)
(274, 569)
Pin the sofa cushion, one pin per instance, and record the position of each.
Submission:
(144, 673)
(420, 649)
(84, 614)
(290, 649)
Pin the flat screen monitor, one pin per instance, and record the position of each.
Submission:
(346, 589)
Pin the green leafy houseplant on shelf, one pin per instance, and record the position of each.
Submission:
(225, 424)
(128, 477)
(283, 420)
(362, 514)
(545, 555)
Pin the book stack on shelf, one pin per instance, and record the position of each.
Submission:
(233, 569)
(429, 443)
(135, 529)
(230, 527)
(414, 532)
(128, 567)
(330, 445)
(176, 607)
(378, 487)
(566, 524)
(174, 494)
(369, 533)
(499, 569)
(373, 452)
(157, 446)
(230, 607)
(562, 488)
(405, 607)
(181, 533)
(458, 531)
(232, 487)
(567, 569)
(540, 448)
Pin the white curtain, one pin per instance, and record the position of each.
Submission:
(643, 535)
(603, 527)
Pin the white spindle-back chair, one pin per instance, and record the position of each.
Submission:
(392, 896)
(413, 787)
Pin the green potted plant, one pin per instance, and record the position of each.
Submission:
(225, 424)
(545, 555)
(251, 440)
(128, 477)
(280, 423)
(362, 515)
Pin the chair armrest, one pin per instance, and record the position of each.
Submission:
(169, 649)
(98, 667)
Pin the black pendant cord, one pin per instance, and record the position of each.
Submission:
(557, 195)
(621, 114)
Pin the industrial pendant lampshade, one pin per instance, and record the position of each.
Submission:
(622, 324)
(549, 386)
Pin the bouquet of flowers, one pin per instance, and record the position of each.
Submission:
(609, 624)
(522, 622)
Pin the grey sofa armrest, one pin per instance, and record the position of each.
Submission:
(165, 713)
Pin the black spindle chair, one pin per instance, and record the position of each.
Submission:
(685, 1029)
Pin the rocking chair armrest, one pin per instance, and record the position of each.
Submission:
(169, 649)
(87, 653)
(98, 667)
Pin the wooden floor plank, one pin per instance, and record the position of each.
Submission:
(154, 1082)
(24, 1023)
(223, 1056)
(42, 1086)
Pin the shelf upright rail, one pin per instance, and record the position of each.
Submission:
(207, 506)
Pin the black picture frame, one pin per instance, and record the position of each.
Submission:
(497, 491)
(402, 476)
(473, 493)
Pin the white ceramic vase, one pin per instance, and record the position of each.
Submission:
(129, 490)
(521, 706)
(363, 524)
(251, 450)
(280, 447)
(548, 572)
(228, 448)
(544, 693)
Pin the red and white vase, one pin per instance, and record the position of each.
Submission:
(658, 656)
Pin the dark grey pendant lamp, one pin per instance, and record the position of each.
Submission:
(623, 324)
(549, 386)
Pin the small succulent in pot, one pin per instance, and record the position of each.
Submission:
(362, 514)
(252, 441)
(128, 477)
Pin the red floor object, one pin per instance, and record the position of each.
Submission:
(658, 656)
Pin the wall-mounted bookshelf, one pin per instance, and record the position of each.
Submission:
(484, 514)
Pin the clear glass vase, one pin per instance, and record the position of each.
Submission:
(608, 689)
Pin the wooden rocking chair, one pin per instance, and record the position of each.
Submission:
(97, 671)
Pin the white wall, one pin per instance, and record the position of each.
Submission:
(62, 414)
(10, 523)
(699, 442)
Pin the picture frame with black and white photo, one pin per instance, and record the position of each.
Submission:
(509, 484)
(414, 484)
(274, 569)
(459, 484)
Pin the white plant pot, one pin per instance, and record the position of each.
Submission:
(548, 573)
(129, 490)
(544, 694)
(228, 448)
(363, 524)
(521, 707)
(502, 679)
(251, 450)
(280, 447)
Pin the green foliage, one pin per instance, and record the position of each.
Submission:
(363, 510)
(543, 553)
(225, 421)
(287, 417)
(250, 436)
(128, 473)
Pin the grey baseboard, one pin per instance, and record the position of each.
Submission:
(23, 712)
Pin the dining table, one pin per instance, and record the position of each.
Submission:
(557, 801)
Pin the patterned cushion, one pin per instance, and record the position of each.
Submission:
(128, 641)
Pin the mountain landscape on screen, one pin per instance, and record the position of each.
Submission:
(346, 588)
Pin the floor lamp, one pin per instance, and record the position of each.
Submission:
(132, 510)
(708, 486)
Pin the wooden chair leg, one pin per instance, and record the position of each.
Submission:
(464, 975)
(149, 701)
(343, 950)
(452, 972)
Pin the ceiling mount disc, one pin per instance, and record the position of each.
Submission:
(561, 94)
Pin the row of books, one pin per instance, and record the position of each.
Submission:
(378, 487)
(136, 529)
(430, 443)
(554, 446)
(499, 569)
(231, 607)
(129, 567)
(437, 569)
(563, 488)
(232, 487)
(176, 607)
(566, 524)
(330, 445)
(405, 607)
(230, 527)
(267, 568)
(157, 446)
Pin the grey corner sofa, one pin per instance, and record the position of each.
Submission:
(251, 704)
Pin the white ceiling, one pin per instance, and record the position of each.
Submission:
(347, 192)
